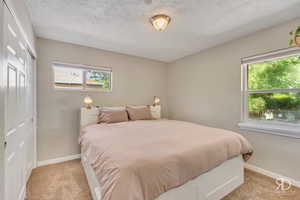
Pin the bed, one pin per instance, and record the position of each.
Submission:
(169, 179)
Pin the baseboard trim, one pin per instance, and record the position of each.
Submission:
(271, 174)
(58, 160)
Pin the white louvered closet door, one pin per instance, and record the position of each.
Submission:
(19, 137)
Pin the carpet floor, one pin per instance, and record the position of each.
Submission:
(67, 181)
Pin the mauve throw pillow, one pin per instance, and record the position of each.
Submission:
(112, 116)
(139, 113)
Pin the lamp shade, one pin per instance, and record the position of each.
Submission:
(88, 101)
(156, 100)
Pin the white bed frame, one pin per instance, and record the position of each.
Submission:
(212, 185)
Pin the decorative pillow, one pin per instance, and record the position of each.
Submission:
(112, 115)
(139, 113)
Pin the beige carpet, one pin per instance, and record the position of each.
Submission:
(66, 181)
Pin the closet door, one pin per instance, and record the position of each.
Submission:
(2, 100)
(18, 113)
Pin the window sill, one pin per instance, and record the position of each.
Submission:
(82, 89)
(289, 130)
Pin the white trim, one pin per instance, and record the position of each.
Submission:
(292, 90)
(82, 89)
(11, 8)
(271, 55)
(84, 68)
(275, 127)
(34, 73)
(2, 105)
(81, 66)
(58, 160)
(288, 130)
(271, 174)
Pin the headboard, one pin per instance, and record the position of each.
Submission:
(90, 116)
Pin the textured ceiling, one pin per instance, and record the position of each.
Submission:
(123, 25)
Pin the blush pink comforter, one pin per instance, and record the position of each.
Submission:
(139, 160)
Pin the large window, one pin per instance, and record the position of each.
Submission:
(271, 93)
(70, 76)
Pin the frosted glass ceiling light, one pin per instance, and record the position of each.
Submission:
(160, 22)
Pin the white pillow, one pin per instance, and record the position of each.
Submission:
(112, 108)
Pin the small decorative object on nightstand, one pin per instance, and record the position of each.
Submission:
(88, 102)
(156, 108)
(156, 101)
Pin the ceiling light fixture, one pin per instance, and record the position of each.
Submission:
(160, 22)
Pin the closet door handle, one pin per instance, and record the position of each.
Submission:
(5, 145)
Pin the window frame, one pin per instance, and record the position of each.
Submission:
(272, 127)
(85, 68)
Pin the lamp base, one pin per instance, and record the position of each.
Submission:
(88, 106)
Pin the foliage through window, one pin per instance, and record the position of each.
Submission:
(82, 77)
(272, 90)
(97, 79)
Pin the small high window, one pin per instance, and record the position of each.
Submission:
(70, 76)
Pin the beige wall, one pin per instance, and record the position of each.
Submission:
(135, 81)
(205, 88)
